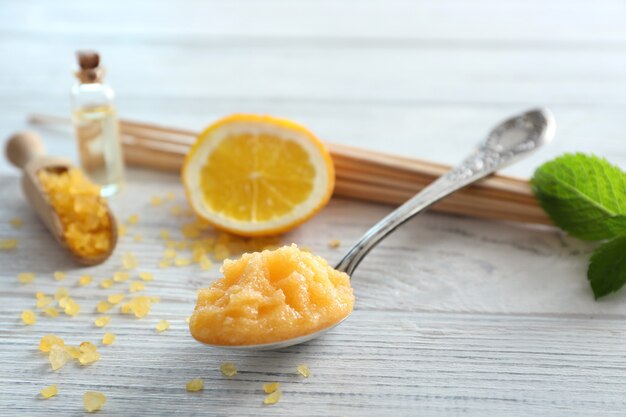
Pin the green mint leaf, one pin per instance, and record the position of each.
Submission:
(617, 225)
(580, 193)
(607, 269)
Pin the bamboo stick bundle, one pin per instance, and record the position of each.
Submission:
(360, 174)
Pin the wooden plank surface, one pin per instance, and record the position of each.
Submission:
(454, 316)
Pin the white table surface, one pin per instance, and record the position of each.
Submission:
(454, 316)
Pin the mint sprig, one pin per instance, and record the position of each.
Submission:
(586, 196)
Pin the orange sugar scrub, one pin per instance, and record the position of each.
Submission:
(83, 213)
(270, 296)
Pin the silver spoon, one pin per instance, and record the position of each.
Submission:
(510, 141)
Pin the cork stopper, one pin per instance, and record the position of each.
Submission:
(90, 70)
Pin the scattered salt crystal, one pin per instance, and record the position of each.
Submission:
(195, 385)
(8, 244)
(102, 321)
(26, 277)
(228, 369)
(272, 398)
(116, 298)
(146, 276)
(85, 280)
(136, 286)
(58, 357)
(28, 317)
(133, 219)
(162, 326)
(129, 261)
(16, 222)
(93, 401)
(304, 370)
(49, 340)
(271, 387)
(108, 339)
(49, 391)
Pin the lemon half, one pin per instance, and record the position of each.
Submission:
(257, 175)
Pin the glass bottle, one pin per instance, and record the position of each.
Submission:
(96, 126)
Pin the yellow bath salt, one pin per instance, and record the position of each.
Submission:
(103, 306)
(162, 326)
(129, 261)
(73, 351)
(136, 286)
(140, 306)
(272, 398)
(335, 243)
(83, 213)
(182, 261)
(59, 275)
(169, 196)
(121, 276)
(228, 369)
(125, 308)
(8, 244)
(121, 230)
(205, 263)
(164, 234)
(271, 296)
(16, 222)
(176, 210)
(133, 219)
(87, 347)
(87, 358)
(116, 298)
(49, 391)
(93, 401)
(187, 319)
(138, 237)
(28, 317)
(63, 301)
(271, 387)
(44, 301)
(190, 231)
(304, 370)
(108, 339)
(169, 254)
(49, 340)
(165, 263)
(72, 308)
(155, 299)
(51, 312)
(146, 276)
(58, 357)
(182, 245)
(195, 385)
(39, 294)
(155, 200)
(221, 252)
(85, 280)
(25, 277)
(62, 292)
(102, 321)
(106, 283)
(197, 254)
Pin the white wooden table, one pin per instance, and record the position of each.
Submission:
(454, 316)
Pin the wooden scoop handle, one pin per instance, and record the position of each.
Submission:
(23, 147)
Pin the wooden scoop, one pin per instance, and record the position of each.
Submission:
(26, 151)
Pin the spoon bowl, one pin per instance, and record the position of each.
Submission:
(510, 141)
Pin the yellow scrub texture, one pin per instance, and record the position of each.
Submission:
(270, 296)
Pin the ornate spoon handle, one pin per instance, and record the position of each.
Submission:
(510, 141)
